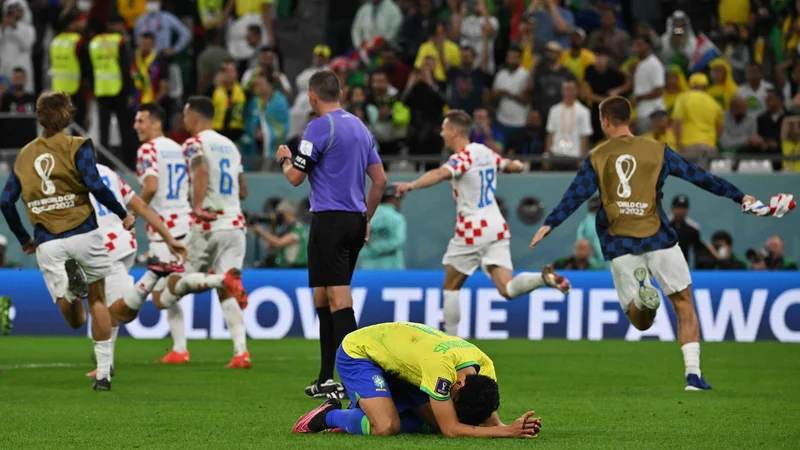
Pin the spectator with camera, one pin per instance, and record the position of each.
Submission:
(387, 237)
(288, 237)
(726, 259)
(776, 259)
(581, 259)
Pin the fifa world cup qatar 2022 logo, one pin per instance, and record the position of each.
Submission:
(44, 165)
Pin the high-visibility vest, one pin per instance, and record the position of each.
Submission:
(104, 53)
(66, 68)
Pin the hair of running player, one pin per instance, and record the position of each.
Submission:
(54, 111)
(201, 105)
(155, 110)
(459, 119)
(476, 400)
(325, 84)
(616, 110)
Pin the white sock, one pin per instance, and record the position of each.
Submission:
(136, 296)
(451, 310)
(190, 284)
(198, 282)
(691, 357)
(177, 327)
(235, 321)
(524, 283)
(114, 334)
(103, 351)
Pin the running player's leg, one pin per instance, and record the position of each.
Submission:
(496, 261)
(90, 253)
(637, 296)
(460, 261)
(177, 326)
(230, 249)
(670, 269)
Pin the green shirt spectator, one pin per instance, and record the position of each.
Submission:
(587, 230)
(726, 259)
(777, 259)
(387, 236)
(579, 260)
(291, 243)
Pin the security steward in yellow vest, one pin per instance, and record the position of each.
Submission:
(66, 59)
(54, 175)
(111, 82)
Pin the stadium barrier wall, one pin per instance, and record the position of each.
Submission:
(431, 215)
(732, 306)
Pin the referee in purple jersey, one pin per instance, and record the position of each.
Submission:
(336, 153)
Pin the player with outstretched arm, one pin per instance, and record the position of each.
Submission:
(405, 377)
(482, 238)
(630, 172)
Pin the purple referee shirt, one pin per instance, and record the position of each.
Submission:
(335, 152)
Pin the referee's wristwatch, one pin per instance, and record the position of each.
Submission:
(283, 160)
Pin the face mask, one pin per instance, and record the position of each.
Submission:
(84, 5)
(723, 252)
(153, 7)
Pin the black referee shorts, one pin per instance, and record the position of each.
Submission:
(334, 241)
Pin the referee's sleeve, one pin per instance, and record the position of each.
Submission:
(317, 137)
(302, 160)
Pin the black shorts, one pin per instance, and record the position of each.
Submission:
(334, 241)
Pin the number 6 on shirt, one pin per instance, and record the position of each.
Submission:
(225, 179)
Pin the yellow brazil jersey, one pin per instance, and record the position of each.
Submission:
(577, 65)
(451, 51)
(418, 354)
(700, 115)
(666, 138)
(791, 148)
(251, 6)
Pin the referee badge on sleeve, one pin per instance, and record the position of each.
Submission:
(306, 148)
(442, 386)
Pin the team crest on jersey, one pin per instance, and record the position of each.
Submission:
(146, 164)
(380, 383)
(442, 386)
(190, 150)
(453, 162)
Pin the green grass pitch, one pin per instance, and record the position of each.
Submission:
(610, 394)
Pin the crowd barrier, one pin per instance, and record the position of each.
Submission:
(732, 306)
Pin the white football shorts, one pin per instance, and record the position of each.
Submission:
(160, 250)
(86, 249)
(119, 280)
(632, 274)
(468, 258)
(219, 250)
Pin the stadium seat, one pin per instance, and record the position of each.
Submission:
(755, 166)
(721, 166)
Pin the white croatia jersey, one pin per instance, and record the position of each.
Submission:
(163, 158)
(474, 181)
(119, 241)
(224, 166)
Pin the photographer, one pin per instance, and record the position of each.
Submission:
(290, 242)
(777, 260)
(726, 259)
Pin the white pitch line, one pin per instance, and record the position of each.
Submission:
(55, 365)
(38, 366)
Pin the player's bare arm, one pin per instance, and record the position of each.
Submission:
(513, 166)
(242, 187)
(430, 178)
(141, 208)
(284, 158)
(199, 169)
(445, 413)
(377, 175)
(149, 188)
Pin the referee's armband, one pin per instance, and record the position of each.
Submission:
(301, 160)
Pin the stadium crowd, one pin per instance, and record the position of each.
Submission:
(531, 72)
(709, 78)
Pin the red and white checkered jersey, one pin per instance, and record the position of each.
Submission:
(224, 166)
(474, 180)
(119, 241)
(163, 158)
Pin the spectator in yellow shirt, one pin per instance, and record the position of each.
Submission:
(675, 86)
(444, 52)
(723, 87)
(697, 120)
(577, 58)
(735, 12)
(791, 143)
(661, 130)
